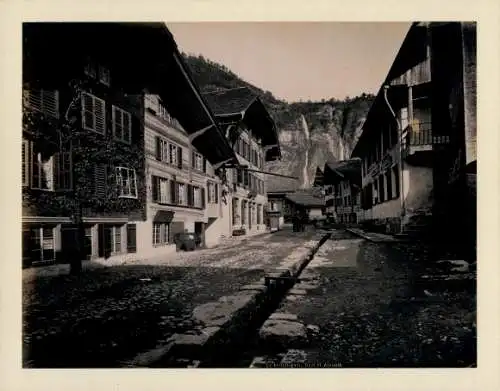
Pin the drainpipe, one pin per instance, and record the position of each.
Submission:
(400, 151)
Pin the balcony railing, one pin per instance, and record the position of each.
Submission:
(421, 135)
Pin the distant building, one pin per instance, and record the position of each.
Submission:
(418, 145)
(309, 202)
(252, 134)
(278, 205)
(342, 184)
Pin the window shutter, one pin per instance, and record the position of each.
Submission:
(179, 157)
(158, 148)
(87, 110)
(50, 103)
(127, 127)
(204, 165)
(100, 115)
(34, 99)
(216, 193)
(173, 192)
(190, 195)
(193, 159)
(131, 238)
(57, 171)
(203, 201)
(155, 188)
(100, 181)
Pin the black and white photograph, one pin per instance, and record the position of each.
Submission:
(249, 194)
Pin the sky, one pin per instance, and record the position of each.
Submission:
(299, 60)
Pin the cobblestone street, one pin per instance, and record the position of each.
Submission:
(109, 314)
(366, 307)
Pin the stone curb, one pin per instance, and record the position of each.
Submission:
(248, 298)
(363, 235)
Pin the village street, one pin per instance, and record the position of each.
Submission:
(362, 301)
(112, 313)
(366, 304)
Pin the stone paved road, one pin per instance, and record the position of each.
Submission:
(110, 314)
(371, 312)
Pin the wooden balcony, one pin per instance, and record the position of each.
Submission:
(418, 144)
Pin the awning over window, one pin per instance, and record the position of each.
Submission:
(163, 216)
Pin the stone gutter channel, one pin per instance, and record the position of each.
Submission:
(231, 324)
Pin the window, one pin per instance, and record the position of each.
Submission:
(160, 233)
(90, 68)
(197, 161)
(127, 182)
(104, 75)
(181, 191)
(122, 125)
(235, 211)
(172, 149)
(213, 193)
(162, 150)
(259, 214)
(160, 190)
(39, 246)
(42, 172)
(197, 197)
(44, 101)
(117, 242)
(375, 192)
(100, 180)
(93, 113)
(62, 168)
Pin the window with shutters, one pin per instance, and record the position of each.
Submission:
(104, 75)
(197, 161)
(90, 68)
(126, 181)
(172, 149)
(181, 194)
(42, 171)
(131, 238)
(212, 193)
(122, 125)
(44, 101)
(93, 113)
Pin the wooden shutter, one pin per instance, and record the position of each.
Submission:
(173, 192)
(87, 111)
(204, 165)
(155, 188)
(100, 180)
(179, 157)
(190, 195)
(216, 193)
(193, 159)
(158, 148)
(203, 201)
(50, 103)
(131, 238)
(100, 115)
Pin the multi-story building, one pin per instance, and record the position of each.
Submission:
(419, 135)
(83, 155)
(81, 148)
(279, 207)
(342, 183)
(252, 133)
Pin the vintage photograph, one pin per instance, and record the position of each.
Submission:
(249, 194)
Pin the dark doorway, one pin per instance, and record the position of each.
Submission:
(199, 229)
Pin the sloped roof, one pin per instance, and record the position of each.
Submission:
(348, 169)
(277, 184)
(306, 198)
(231, 101)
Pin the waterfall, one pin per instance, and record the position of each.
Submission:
(305, 171)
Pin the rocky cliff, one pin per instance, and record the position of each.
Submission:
(310, 132)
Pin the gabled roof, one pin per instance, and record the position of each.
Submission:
(241, 104)
(231, 101)
(343, 170)
(306, 198)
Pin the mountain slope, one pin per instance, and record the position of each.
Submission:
(310, 132)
